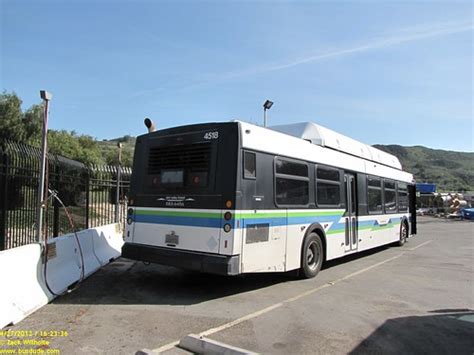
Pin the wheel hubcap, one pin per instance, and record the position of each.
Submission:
(312, 256)
(404, 233)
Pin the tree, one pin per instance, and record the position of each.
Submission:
(10, 117)
(25, 127)
(16, 125)
(82, 148)
(32, 124)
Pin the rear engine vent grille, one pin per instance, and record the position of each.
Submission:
(194, 157)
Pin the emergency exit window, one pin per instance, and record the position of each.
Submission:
(250, 168)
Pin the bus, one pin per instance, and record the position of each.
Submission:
(232, 198)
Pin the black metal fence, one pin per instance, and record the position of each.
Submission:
(89, 194)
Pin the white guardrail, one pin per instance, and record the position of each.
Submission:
(23, 289)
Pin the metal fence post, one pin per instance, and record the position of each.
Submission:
(3, 202)
(88, 192)
(56, 205)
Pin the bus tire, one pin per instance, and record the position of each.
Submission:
(403, 234)
(312, 256)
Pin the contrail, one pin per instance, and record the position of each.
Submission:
(381, 43)
(403, 36)
(374, 45)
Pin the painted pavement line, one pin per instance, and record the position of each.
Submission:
(422, 244)
(289, 300)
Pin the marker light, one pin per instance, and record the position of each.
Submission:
(227, 227)
(227, 216)
(129, 220)
(228, 203)
(130, 211)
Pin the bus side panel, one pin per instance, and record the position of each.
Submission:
(377, 230)
(294, 245)
(335, 245)
(330, 220)
(263, 242)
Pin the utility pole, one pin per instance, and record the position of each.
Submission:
(46, 96)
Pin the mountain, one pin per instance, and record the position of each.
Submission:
(449, 170)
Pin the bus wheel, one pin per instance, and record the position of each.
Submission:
(312, 256)
(403, 234)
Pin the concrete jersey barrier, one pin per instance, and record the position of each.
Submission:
(24, 289)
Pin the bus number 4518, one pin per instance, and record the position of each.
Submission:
(211, 135)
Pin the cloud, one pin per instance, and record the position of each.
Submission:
(146, 92)
(403, 36)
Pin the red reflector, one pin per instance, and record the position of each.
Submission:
(225, 244)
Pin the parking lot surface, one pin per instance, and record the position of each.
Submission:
(413, 299)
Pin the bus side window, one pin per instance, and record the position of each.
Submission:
(328, 187)
(250, 165)
(402, 192)
(374, 195)
(390, 199)
(291, 183)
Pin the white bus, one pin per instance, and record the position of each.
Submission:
(232, 198)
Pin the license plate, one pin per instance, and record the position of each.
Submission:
(172, 238)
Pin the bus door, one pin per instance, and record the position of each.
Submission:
(350, 219)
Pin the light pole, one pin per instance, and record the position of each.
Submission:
(266, 106)
(46, 96)
(117, 194)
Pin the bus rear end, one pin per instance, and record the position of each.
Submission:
(182, 198)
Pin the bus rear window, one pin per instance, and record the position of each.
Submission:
(172, 177)
(179, 166)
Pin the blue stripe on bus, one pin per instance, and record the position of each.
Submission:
(273, 221)
(179, 221)
(282, 221)
(217, 223)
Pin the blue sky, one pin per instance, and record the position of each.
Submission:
(380, 72)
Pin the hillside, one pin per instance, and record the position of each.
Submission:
(451, 171)
(108, 149)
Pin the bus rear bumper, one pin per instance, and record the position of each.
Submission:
(209, 263)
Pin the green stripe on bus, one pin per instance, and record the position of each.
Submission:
(335, 231)
(290, 214)
(387, 226)
(179, 214)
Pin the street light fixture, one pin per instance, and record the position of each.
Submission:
(266, 106)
